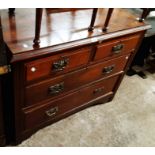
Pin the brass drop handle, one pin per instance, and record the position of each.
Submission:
(98, 90)
(51, 112)
(117, 49)
(60, 64)
(56, 89)
(108, 69)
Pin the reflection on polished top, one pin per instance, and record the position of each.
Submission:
(60, 28)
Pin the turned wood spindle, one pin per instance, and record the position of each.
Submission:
(91, 27)
(39, 12)
(11, 11)
(109, 14)
(145, 12)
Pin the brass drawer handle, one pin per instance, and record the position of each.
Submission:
(98, 90)
(117, 49)
(51, 112)
(108, 69)
(56, 89)
(60, 64)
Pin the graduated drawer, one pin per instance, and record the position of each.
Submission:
(57, 64)
(56, 108)
(62, 84)
(117, 47)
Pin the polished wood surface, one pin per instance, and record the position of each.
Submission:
(39, 12)
(117, 47)
(56, 10)
(68, 103)
(58, 64)
(19, 29)
(71, 69)
(40, 91)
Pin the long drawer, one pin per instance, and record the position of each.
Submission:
(117, 47)
(62, 84)
(57, 64)
(56, 108)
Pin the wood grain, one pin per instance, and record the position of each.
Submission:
(54, 33)
(36, 116)
(97, 60)
(40, 91)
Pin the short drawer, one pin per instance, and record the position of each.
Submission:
(62, 84)
(57, 64)
(117, 47)
(56, 108)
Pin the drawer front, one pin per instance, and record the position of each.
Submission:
(57, 64)
(54, 109)
(62, 84)
(117, 47)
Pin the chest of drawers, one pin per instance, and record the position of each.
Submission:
(55, 86)
(54, 81)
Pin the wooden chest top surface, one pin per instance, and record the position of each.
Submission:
(59, 28)
(72, 69)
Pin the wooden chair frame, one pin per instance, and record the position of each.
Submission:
(39, 12)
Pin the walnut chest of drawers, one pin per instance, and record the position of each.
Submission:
(53, 81)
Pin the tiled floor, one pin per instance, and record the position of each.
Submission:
(129, 120)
